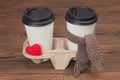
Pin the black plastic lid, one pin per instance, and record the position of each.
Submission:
(38, 16)
(81, 15)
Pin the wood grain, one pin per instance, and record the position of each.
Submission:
(13, 66)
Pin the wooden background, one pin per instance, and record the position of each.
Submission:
(13, 66)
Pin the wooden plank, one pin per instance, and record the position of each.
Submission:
(84, 76)
(22, 65)
(17, 50)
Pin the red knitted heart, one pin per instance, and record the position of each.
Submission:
(35, 50)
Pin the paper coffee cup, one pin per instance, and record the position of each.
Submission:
(39, 24)
(80, 20)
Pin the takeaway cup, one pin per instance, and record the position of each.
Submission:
(80, 20)
(39, 24)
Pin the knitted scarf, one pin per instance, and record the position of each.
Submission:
(88, 53)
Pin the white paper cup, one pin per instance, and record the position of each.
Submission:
(80, 21)
(39, 24)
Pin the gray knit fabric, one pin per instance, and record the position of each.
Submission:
(88, 53)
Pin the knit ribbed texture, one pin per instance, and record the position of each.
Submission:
(93, 51)
(88, 53)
